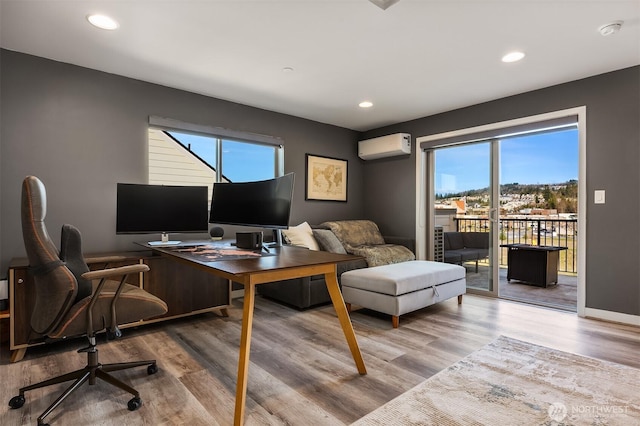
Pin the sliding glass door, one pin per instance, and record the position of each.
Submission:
(517, 183)
(465, 190)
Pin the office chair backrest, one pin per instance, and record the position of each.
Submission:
(71, 255)
(55, 285)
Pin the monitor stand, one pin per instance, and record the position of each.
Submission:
(165, 241)
(278, 241)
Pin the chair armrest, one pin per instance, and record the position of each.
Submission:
(102, 275)
(104, 259)
(111, 272)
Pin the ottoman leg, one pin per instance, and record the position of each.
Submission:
(395, 320)
(348, 305)
(459, 299)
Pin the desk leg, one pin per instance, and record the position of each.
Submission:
(345, 321)
(245, 347)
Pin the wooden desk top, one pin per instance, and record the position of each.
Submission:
(280, 258)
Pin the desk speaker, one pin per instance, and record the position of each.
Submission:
(249, 240)
(216, 233)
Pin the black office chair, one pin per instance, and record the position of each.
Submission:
(72, 301)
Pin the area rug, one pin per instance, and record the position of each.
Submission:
(511, 382)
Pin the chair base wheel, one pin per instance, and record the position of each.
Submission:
(152, 369)
(17, 401)
(134, 404)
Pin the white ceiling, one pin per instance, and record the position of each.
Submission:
(415, 59)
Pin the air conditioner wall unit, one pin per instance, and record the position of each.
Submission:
(385, 146)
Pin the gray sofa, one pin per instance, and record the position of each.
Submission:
(307, 292)
(460, 247)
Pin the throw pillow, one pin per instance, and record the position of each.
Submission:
(301, 235)
(328, 241)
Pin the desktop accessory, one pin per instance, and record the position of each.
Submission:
(249, 240)
(216, 233)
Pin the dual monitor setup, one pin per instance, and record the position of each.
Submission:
(164, 209)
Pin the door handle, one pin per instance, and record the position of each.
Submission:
(492, 215)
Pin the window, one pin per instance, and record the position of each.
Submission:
(187, 154)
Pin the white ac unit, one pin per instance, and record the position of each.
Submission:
(385, 146)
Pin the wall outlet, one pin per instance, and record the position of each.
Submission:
(4, 289)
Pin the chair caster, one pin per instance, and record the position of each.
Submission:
(152, 369)
(17, 401)
(113, 334)
(42, 423)
(134, 403)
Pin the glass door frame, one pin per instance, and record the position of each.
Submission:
(424, 226)
(493, 212)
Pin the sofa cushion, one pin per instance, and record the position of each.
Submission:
(383, 254)
(328, 241)
(468, 254)
(453, 240)
(301, 235)
(477, 240)
(452, 257)
(353, 233)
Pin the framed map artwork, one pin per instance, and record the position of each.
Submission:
(326, 178)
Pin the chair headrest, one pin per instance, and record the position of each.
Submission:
(34, 198)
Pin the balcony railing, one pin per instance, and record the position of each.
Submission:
(535, 231)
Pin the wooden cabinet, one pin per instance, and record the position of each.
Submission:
(186, 290)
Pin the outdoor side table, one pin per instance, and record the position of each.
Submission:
(535, 265)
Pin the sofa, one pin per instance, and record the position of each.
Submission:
(460, 247)
(360, 237)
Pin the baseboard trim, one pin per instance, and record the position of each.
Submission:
(612, 316)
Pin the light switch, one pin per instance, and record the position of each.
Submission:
(598, 196)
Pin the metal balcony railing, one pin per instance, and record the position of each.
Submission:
(535, 231)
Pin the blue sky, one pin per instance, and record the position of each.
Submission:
(241, 162)
(536, 159)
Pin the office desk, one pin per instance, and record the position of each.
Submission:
(282, 263)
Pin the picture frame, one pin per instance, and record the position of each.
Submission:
(326, 178)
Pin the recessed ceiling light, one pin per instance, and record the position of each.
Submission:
(610, 28)
(512, 57)
(365, 104)
(287, 69)
(102, 21)
(384, 4)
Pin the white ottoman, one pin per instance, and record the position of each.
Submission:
(399, 288)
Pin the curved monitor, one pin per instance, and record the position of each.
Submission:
(150, 209)
(264, 204)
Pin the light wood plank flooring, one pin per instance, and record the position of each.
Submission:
(301, 370)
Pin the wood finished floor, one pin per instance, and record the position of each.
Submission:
(301, 371)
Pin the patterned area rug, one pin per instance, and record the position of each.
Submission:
(510, 382)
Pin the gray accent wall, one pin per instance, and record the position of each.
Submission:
(81, 131)
(612, 103)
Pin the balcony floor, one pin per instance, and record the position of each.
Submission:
(561, 296)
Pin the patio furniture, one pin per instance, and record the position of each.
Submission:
(460, 247)
(535, 265)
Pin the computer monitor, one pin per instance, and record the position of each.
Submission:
(164, 209)
(264, 204)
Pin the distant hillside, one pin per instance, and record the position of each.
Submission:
(562, 197)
